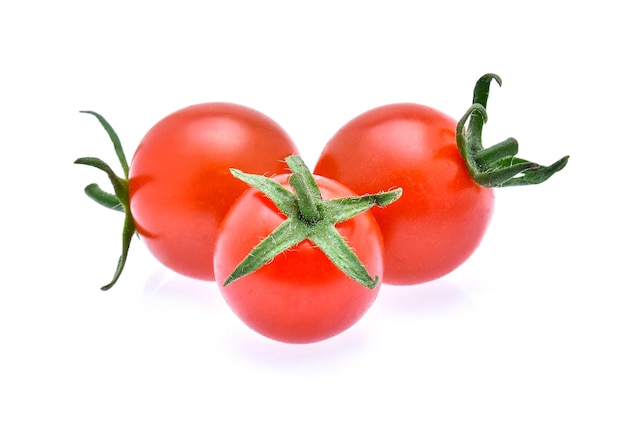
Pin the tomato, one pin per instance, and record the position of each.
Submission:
(300, 296)
(442, 215)
(180, 187)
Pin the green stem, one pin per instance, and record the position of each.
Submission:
(106, 199)
(280, 240)
(309, 217)
(342, 256)
(117, 144)
(118, 201)
(307, 202)
(496, 166)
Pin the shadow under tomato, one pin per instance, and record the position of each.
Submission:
(262, 351)
(430, 299)
(167, 287)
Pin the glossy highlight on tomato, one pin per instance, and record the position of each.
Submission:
(300, 296)
(442, 215)
(180, 186)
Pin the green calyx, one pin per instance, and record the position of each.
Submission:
(496, 166)
(309, 217)
(119, 199)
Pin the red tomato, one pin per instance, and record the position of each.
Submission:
(442, 214)
(180, 186)
(300, 296)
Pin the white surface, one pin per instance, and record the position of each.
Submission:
(530, 329)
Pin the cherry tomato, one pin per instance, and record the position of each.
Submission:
(442, 215)
(300, 296)
(180, 187)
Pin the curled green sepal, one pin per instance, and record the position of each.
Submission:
(309, 217)
(118, 200)
(496, 166)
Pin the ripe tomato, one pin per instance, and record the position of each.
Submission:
(442, 214)
(300, 296)
(180, 187)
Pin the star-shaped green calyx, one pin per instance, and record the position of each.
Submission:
(309, 217)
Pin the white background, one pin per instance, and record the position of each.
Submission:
(531, 328)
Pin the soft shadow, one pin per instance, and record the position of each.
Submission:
(436, 298)
(329, 353)
(165, 286)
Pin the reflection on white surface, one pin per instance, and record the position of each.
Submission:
(244, 344)
(170, 293)
(174, 290)
(430, 299)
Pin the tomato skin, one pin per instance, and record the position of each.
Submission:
(180, 187)
(300, 296)
(442, 215)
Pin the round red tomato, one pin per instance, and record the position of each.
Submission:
(442, 215)
(300, 296)
(180, 187)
